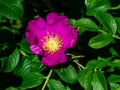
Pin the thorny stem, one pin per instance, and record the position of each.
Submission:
(47, 79)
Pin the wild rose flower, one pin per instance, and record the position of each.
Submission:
(51, 38)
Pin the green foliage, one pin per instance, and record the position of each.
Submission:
(98, 81)
(10, 62)
(55, 85)
(93, 64)
(108, 22)
(28, 69)
(67, 74)
(12, 9)
(118, 24)
(86, 24)
(24, 45)
(84, 78)
(113, 82)
(100, 40)
(98, 64)
(32, 80)
(97, 5)
(11, 88)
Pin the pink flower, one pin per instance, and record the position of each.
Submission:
(51, 38)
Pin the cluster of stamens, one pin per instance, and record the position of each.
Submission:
(52, 43)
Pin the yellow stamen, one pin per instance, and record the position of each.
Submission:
(52, 43)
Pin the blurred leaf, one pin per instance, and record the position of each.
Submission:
(67, 74)
(12, 61)
(114, 78)
(32, 80)
(98, 81)
(55, 85)
(11, 88)
(84, 78)
(12, 9)
(118, 24)
(100, 41)
(72, 21)
(24, 45)
(115, 63)
(86, 24)
(97, 5)
(68, 88)
(97, 64)
(107, 21)
(114, 86)
(113, 52)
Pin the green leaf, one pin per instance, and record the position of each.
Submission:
(113, 81)
(23, 68)
(100, 41)
(114, 86)
(118, 24)
(55, 85)
(24, 45)
(97, 64)
(114, 78)
(12, 9)
(84, 78)
(86, 24)
(115, 63)
(27, 65)
(72, 21)
(98, 81)
(11, 88)
(12, 61)
(107, 21)
(68, 88)
(113, 52)
(67, 74)
(97, 5)
(32, 80)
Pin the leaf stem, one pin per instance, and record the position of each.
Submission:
(114, 8)
(80, 65)
(47, 79)
(23, 53)
(114, 35)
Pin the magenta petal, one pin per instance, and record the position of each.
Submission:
(60, 28)
(39, 22)
(71, 40)
(51, 17)
(36, 49)
(54, 59)
(37, 27)
(30, 37)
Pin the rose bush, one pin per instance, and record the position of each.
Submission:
(37, 37)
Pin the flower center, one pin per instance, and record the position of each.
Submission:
(52, 43)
